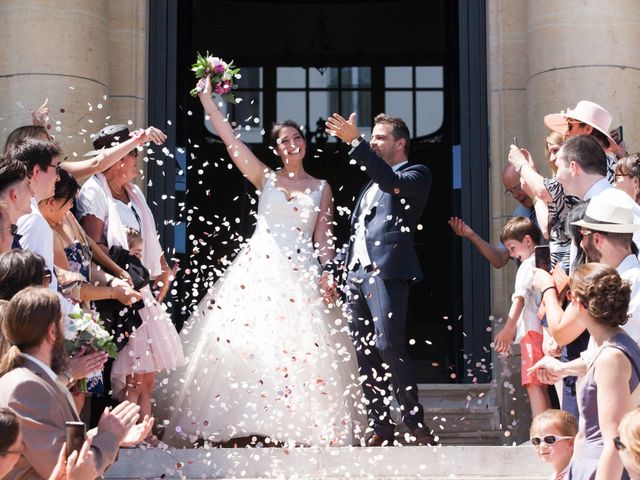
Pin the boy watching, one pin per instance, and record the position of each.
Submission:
(520, 236)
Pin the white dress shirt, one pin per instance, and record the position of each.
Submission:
(360, 252)
(37, 237)
(629, 270)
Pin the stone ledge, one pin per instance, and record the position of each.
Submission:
(423, 463)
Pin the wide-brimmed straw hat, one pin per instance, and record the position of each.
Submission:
(610, 211)
(585, 112)
(109, 136)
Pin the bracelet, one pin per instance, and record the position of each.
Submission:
(549, 288)
(110, 281)
(137, 134)
(210, 114)
(518, 167)
(111, 293)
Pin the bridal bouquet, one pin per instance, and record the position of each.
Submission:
(84, 333)
(221, 74)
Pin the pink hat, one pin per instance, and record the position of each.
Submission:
(585, 112)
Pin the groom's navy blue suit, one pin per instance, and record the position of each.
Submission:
(378, 293)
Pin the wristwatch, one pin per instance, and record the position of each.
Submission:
(69, 377)
(357, 141)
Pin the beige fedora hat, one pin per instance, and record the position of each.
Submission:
(610, 211)
(586, 112)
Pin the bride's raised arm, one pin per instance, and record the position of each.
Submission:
(250, 166)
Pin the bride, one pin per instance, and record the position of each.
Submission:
(266, 356)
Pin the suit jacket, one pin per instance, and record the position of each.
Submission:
(396, 211)
(43, 409)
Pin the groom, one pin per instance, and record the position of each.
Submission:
(381, 262)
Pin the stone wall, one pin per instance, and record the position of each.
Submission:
(88, 57)
(543, 57)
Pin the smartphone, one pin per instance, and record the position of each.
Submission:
(515, 141)
(543, 257)
(617, 134)
(75, 436)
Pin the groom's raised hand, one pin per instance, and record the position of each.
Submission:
(345, 130)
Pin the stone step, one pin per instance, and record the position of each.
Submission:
(421, 463)
(441, 395)
(461, 420)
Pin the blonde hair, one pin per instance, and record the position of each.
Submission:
(554, 138)
(629, 430)
(133, 237)
(563, 421)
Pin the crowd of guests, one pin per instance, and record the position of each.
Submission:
(67, 252)
(577, 317)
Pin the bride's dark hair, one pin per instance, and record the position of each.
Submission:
(275, 130)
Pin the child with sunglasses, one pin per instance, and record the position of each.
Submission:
(628, 443)
(552, 435)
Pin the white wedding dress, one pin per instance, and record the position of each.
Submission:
(265, 356)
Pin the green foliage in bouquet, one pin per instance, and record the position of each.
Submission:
(221, 73)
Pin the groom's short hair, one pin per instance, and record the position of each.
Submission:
(400, 129)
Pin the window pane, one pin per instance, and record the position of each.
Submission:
(291, 77)
(356, 77)
(328, 80)
(251, 78)
(321, 105)
(429, 77)
(430, 112)
(291, 106)
(358, 101)
(398, 77)
(400, 104)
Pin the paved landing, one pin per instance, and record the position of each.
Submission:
(421, 463)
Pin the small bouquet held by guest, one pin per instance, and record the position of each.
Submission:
(84, 333)
(221, 75)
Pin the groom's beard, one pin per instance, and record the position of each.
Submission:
(59, 357)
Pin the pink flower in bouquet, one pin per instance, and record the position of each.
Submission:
(219, 69)
(222, 87)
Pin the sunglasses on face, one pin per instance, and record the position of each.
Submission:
(548, 439)
(57, 166)
(618, 444)
(571, 123)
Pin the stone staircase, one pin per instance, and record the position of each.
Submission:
(463, 414)
(465, 417)
(389, 463)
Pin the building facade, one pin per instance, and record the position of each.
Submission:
(490, 69)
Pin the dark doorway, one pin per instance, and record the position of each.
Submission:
(304, 60)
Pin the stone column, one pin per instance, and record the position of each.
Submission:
(57, 50)
(507, 72)
(583, 50)
(128, 21)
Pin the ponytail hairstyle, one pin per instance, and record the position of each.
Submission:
(26, 322)
(602, 292)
